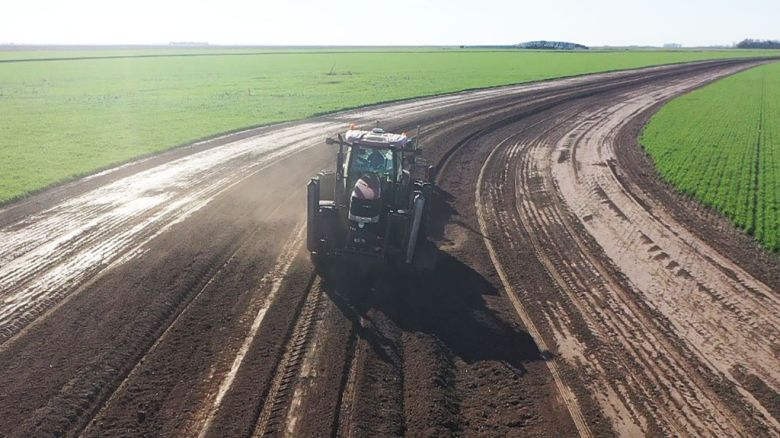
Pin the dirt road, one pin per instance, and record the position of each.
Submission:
(570, 291)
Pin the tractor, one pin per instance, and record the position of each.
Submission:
(374, 206)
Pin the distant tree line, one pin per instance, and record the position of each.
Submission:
(551, 45)
(535, 45)
(758, 44)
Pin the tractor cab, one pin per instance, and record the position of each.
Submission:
(374, 172)
(376, 152)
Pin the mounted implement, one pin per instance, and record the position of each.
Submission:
(373, 207)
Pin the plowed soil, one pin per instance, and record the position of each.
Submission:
(568, 290)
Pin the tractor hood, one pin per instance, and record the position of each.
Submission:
(365, 206)
(367, 187)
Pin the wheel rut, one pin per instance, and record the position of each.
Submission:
(276, 414)
(529, 192)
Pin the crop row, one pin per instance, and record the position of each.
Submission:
(721, 145)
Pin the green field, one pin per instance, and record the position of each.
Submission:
(721, 144)
(65, 118)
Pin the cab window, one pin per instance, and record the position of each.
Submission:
(372, 160)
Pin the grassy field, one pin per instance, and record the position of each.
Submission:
(65, 118)
(721, 144)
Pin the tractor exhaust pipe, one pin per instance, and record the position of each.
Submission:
(312, 207)
(419, 203)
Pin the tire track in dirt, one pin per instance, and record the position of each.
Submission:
(323, 389)
(569, 400)
(274, 274)
(575, 276)
(305, 392)
(273, 281)
(73, 406)
(738, 328)
(276, 416)
(598, 294)
(344, 415)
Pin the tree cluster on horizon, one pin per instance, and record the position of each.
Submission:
(748, 43)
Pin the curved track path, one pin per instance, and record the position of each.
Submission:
(568, 290)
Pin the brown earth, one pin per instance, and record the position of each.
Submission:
(569, 290)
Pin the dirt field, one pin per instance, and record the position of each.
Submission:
(570, 291)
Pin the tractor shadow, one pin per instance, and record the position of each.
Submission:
(452, 303)
(444, 213)
(448, 301)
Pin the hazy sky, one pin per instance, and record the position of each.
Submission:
(400, 22)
